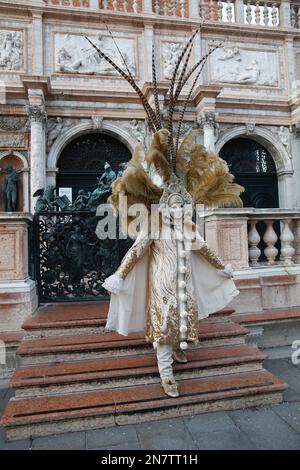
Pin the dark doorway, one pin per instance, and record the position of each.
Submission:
(83, 159)
(254, 168)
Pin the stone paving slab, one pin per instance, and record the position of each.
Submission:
(209, 422)
(116, 436)
(166, 435)
(231, 439)
(266, 429)
(66, 441)
(290, 413)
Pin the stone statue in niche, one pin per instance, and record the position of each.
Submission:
(234, 65)
(171, 53)
(73, 54)
(11, 189)
(11, 50)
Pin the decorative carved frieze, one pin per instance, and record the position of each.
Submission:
(13, 141)
(244, 66)
(73, 54)
(11, 50)
(13, 123)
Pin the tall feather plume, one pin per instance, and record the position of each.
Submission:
(157, 154)
(171, 155)
(154, 81)
(209, 180)
(151, 114)
(135, 184)
(201, 62)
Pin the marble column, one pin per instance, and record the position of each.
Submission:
(37, 115)
(208, 123)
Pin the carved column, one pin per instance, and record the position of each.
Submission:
(208, 122)
(37, 115)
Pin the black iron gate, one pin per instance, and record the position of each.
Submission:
(68, 260)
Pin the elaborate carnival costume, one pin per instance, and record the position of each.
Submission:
(167, 283)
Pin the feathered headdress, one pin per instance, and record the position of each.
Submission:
(205, 175)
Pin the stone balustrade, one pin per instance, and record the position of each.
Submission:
(247, 12)
(217, 10)
(295, 15)
(261, 13)
(251, 12)
(262, 246)
(255, 237)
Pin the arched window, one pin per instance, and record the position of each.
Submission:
(83, 159)
(254, 168)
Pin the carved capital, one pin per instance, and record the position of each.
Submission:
(37, 113)
(208, 119)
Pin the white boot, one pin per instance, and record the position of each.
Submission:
(164, 361)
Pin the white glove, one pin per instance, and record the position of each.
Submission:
(113, 284)
(227, 271)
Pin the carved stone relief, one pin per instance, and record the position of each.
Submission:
(13, 123)
(236, 65)
(73, 54)
(11, 50)
(171, 52)
(56, 126)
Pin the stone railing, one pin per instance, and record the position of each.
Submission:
(255, 237)
(295, 15)
(261, 13)
(217, 10)
(288, 251)
(267, 14)
(69, 3)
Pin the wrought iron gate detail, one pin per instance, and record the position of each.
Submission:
(71, 262)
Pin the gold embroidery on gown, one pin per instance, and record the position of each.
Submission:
(162, 310)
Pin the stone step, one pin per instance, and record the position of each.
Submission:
(31, 417)
(80, 318)
(61, 319)
(71, 348)
(268, 316)
(121, 371)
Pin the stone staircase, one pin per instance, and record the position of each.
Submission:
(74, 376)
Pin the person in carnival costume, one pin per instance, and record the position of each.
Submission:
(169, 279)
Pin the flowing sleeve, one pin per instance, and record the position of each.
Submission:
(200, 247)
(133, 255)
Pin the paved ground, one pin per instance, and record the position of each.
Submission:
(272, 427)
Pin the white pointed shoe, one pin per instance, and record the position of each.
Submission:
(170, 386)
